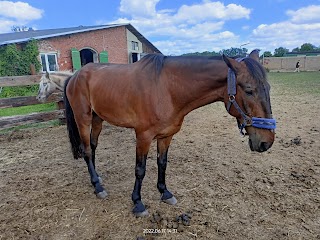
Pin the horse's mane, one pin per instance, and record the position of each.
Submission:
(256, 70)
(155, 61)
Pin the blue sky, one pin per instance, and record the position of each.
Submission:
(181, 26)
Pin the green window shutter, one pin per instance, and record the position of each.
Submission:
(104, 58)
(76, 61)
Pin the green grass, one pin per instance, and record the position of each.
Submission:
(46, 107)
(295, 83)
(51, 123)
(25, 91)
(19, 91)
(22, 91)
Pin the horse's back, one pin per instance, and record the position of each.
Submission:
(119, 93)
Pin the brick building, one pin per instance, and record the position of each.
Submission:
(68, 49)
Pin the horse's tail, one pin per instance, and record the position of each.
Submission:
(73, 131)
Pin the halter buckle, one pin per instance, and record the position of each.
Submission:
(232, 98)
(248, 121)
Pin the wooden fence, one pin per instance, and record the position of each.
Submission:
(12, 121)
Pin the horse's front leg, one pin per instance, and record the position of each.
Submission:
(142, 149)
(162, 159)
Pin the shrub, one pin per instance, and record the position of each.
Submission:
(16, 62)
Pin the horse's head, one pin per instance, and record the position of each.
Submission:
(248, 100)
(46, 87)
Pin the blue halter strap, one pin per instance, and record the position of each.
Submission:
(264, 123)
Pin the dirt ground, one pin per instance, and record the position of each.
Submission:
(224, 190)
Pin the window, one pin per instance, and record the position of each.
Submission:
(49, 62)
(135, 46)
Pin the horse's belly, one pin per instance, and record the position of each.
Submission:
(115, 115)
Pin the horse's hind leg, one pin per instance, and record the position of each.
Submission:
(84, 124)
(95, 132)
(162, 158)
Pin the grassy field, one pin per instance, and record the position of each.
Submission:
(295, 83)
(27, 109)
(8, 92)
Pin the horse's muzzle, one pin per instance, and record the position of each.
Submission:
(259, 146)
(41, 99)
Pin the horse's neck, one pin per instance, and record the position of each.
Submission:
(59, 82)
(203, 86)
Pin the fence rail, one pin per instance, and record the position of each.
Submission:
(13, 81)
(12, 121)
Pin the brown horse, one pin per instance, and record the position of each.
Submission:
(153, 96)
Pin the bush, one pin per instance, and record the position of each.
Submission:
(16, 62)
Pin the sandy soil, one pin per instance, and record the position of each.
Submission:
(224, 190)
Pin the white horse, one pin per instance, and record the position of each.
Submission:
(50, 83)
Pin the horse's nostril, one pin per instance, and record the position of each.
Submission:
(264, 146)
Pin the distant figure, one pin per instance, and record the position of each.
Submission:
(297, 67)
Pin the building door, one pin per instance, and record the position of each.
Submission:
(87, 55)
(135, 57)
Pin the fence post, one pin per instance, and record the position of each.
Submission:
(32, 69)
(60, 104)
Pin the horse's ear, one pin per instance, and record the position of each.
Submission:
(47, 75)
(255, 55)
(233, 64)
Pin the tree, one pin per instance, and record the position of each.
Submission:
(235, 52)
(307, 47)
(267, 54)
(280, 52)
(206, 53)
(297, 49)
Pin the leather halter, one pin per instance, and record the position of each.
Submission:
(264, 123)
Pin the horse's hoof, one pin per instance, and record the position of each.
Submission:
(145, 213)
(140, 210)
(102, 195)
(171, 201)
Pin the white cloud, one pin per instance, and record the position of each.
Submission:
(19, 10)
(197, 27)
(210, 42)
(306, 14)
(303, 26)
(17, 13)
(139, 8)
(211, 11)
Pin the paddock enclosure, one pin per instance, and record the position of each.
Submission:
(224, 190)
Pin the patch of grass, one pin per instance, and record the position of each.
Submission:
(27, 109)
(51, 123)
(295, 83)
(19, 91)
